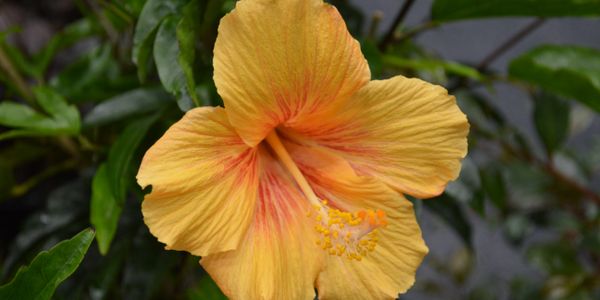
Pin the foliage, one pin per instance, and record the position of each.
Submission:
(77, 114)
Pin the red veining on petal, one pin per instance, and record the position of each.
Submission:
(279, 199)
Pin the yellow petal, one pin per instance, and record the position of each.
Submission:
(204, 184)
(407, 132)
(278, 258)
(390, 268)
(280, 61)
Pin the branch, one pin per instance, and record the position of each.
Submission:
(508, 44)
(389, 36)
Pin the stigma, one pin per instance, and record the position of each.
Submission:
(352, 235)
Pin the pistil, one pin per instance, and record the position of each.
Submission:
(286, 160)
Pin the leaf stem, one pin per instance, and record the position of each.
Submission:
(389, 36)
(12, 73)
(23, 188)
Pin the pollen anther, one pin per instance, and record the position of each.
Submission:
(345, 234)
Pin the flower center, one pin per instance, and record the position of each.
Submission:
(341, 233)
(351, 235)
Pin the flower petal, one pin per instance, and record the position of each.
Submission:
(407, 132)
(390, 268)
(279, 259)
(279, 61)
(204, 184)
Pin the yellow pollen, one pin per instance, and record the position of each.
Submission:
(351, 235)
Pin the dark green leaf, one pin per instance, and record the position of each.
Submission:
(571, 71)
(551, 117)
(94, 76)
(152, 15)
(105, 209)
(448, 10)
(109, 187)
(373, 56)
(207, 289)
(187, 32)
(135, 102)
(166, 53)
(48, 269)
(447, 208)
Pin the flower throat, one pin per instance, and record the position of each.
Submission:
(346, 234)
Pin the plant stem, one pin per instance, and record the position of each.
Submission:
(16, 78)
(389, 36)
(23, 188)
(416, 30)
(508, 44)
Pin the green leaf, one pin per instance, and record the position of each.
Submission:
(450, 10)
(207, 289)
(132, 103)
(62, 119)
(551, 118)
(447, 208)
(570, 71)
(433, 65)
(166, 52)
(152, 15)
(48, 269)
(64, 115)
(109, 187)
(187, 32)
(373, 56)
(105, 209)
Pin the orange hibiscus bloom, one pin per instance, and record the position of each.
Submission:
(298, 182)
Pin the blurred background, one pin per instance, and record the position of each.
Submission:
(86, 86)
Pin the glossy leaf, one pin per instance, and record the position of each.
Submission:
(551, 118)
(570, 71)
(448, 209)
(187, 32)
(132, 103)
(152, 15)
(449, 10)
(166, 53)
(47, 270)
(109, 187)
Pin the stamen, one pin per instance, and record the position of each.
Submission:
(352, 235)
